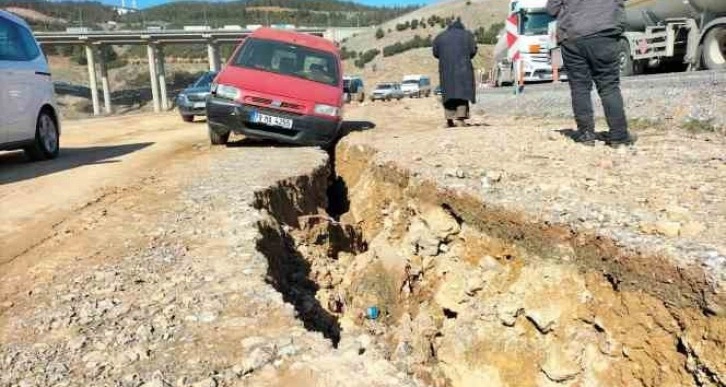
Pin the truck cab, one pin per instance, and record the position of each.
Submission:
(534, 44)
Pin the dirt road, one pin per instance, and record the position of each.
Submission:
(99, 156)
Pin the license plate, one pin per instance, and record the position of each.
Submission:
(199, 105)
(260, 118)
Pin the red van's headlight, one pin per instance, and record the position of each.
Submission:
(228, 92)
(327, 110)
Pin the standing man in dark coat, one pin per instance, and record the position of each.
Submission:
(454, 48)
(589, 33)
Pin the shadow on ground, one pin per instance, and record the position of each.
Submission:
(346, 128)
(15, 167)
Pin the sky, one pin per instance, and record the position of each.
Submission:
(148, 3)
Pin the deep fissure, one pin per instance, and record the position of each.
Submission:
(429, 275)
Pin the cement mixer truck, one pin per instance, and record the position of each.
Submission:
(689, 32)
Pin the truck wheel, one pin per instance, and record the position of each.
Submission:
(714, 49)
(216, 138)
(626, 61)
(187, 118)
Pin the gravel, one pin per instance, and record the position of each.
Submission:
(189, 307)
(668, 98)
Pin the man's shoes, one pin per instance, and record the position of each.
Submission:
(449, 123)
(629, 140)
(584, 137)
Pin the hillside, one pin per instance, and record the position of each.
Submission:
(297, 12)
(60, 14)
(474, 14)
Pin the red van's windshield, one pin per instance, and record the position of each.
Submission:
(288, 59)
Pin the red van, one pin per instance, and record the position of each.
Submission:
(279, 85)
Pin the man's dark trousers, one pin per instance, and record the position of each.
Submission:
(595, 58)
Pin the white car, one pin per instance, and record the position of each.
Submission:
(28, 115)
(416, 86)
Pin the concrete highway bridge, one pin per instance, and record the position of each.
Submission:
(155, 40)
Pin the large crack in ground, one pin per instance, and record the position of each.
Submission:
(463, 301)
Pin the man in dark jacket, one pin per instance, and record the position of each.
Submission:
(589, 33)
(454, 48)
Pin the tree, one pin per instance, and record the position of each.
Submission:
(379, 33)
(488, 35)
(366, 57)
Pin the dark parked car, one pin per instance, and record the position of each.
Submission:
(353, 89)
(192, 101)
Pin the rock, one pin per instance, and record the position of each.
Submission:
(365, 341)
(452, 291)
(441, 223)
(210, 382)
(257, 359)
(474, 284)
(92, 359)
(156, 383)
(691, 229)
(559, 368)
(486, 183)
(131, 380)
(77, 343)
(544, 318)
(144, 332)
(488, 262)
(508, 313)
(460, 173)
(667, 228)
(495, 176)
(288, 350)
(206, 317)
(7, 304)
(677, 213)
(415, 265)
(421, 240)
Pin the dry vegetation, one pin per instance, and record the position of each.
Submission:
(473, 13)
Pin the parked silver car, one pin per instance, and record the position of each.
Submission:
(387, 91)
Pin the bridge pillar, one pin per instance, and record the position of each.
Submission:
(213, 53)
(108, 109)
(162, 79)
(91, 61)
(151, 51)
